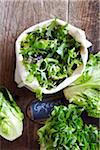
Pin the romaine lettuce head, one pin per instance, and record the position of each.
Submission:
(11, 117)
(85, 91)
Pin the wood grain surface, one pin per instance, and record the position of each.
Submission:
(15, 17)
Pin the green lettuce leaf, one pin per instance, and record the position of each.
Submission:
(85, 91)
(11, 117)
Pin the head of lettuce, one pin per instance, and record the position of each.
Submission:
(85, 91)
(11, 117)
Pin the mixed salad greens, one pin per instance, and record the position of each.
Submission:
(50, 54)
(85, 91)
(11, 117)
(65, 130)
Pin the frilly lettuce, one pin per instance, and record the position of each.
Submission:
(65, 130)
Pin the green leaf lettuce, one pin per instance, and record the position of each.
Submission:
(11, 117)
(65, 130)
(85, 91)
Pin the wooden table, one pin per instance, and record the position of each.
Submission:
(18, 15)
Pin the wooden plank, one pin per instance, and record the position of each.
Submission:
(85, 15)
(15, 17)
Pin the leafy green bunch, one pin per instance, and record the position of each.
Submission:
(11, 117)
(65, 130)
(85, 91)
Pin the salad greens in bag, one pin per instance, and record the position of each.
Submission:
(11, 117)
(50, 56)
